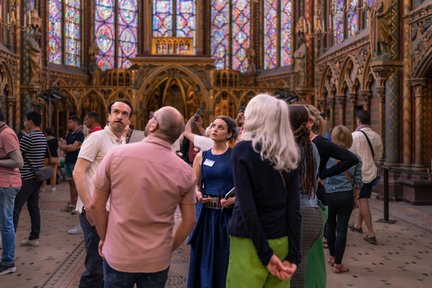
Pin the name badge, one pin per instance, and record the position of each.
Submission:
(209, 162)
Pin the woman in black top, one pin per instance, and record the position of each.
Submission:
(51, 157)
(326, 150)
(267, 208)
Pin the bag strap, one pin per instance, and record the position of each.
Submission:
(30, 164)
(370, 145)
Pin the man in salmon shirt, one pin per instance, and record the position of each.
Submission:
(10, 183)
(146, 181)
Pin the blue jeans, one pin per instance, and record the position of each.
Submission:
(29, 193)
(92, 277)
(69, 167)
(117, 279)
(7, 200)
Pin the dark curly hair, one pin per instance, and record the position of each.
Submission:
(230, 124)
(299, 117)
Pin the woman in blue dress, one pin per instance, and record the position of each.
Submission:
(210, 239)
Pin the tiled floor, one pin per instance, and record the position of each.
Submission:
(402, 258)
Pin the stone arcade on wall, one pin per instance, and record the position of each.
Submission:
(345, 56)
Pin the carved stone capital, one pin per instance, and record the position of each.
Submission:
(381, 93)
(419, 85)
(341, 99)
(353, 98)
(383, 70)
(305, 94)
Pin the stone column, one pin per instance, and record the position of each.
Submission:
(148, 33)
(341, 101)
(392, 120)
(383, 70)
(332, 111)
(353, 101)
(381, 110)
(406, 98)
(10, 106)
(199, 28)
(419, 86)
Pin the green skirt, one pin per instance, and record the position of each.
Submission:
(316, 268)
(245, 268)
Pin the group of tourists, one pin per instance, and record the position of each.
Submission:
(260, 197)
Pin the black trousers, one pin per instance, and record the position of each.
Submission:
(340, 205)
(29, 193)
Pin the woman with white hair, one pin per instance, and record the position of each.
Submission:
(265, 226)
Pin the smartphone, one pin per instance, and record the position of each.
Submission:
(199, 113)
(230, 193)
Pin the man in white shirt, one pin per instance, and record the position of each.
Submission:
(93, 150)
(368, 145)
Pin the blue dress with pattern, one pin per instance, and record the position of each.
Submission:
(210, 239)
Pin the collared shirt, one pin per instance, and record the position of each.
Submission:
(361, 147)
(94, 149)
(147, 182)
(97, 128)
(9, 177)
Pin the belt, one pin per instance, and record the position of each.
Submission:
(214, 203)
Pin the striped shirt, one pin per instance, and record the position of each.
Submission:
(33, 147)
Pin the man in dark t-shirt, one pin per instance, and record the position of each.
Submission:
(71, 146)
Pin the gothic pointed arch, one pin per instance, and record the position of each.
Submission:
(155, 76)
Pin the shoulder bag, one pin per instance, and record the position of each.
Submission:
(377, 178)
(41, 174)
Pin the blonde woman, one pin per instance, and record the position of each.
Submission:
(341, 191)
(267, 207)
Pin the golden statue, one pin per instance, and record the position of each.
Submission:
(380, 31)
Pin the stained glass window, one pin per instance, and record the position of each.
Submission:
(241, 33)
(186, 18)
(271, 34)
(174, 18)
(353, 17)
(72, 32)
(220, 19)
(338, 20)
(162, 18)
(127, 31)
(230, 33)
(116, 37)
(55, 32)
(70, 27)
(287, 28)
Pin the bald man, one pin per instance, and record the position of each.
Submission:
(146, 182)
